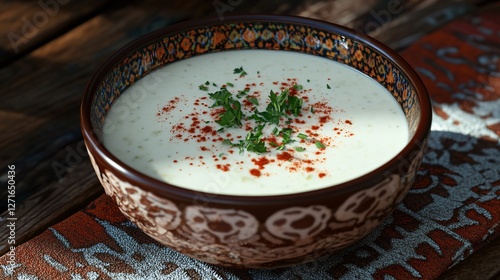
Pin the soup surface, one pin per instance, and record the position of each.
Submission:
(255, 122)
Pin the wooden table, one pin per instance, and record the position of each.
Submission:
(49, 49)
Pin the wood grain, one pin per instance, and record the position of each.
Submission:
(30, 24)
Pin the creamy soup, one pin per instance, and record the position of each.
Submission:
(255, 122)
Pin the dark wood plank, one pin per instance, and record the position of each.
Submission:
(29, 24)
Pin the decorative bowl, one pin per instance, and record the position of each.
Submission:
(256, 231)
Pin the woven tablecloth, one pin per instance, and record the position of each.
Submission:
(452, 210)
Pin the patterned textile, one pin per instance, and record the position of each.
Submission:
(452, 210)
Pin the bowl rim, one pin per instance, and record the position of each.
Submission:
(156, 186)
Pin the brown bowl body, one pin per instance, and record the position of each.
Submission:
(267, 231)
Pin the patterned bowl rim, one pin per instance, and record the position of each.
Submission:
(100, 153)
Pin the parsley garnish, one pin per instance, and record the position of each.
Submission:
(240, 71)
(203, 87)
(299, 149)
(320, 145)
(302, 136)
(253, 100)
(221, 97)
(242, 93)
(278, 107)
(252, 143)
(328, 86)
(232, 114)
(280, 111)
(286, 133)
(276, 131)
(297, 87)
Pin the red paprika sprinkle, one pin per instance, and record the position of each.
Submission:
(309, 169)
(223, 167)
(255, 172)
(261, 162)
(286, 156)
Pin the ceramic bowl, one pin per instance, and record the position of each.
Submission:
(252, 231)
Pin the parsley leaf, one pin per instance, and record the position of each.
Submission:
(302, 136)
(203, 87)
(299, 149)
(253, 100)
(232, 114)
(320, 145)
(240, 71)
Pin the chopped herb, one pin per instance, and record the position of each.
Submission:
(294, 105)
(222, 154)
(308, 80)
(328, 86)
(320, 145)
(203, 87)
(302, 136)
(276, 131)
(253, 141)
(279, 106)
(286, 133)
(232, 115)
(253, 100)
(280, 110)
(239, 71)
(299, 149)
(214, 84)
(221, 97)
(242, 93)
